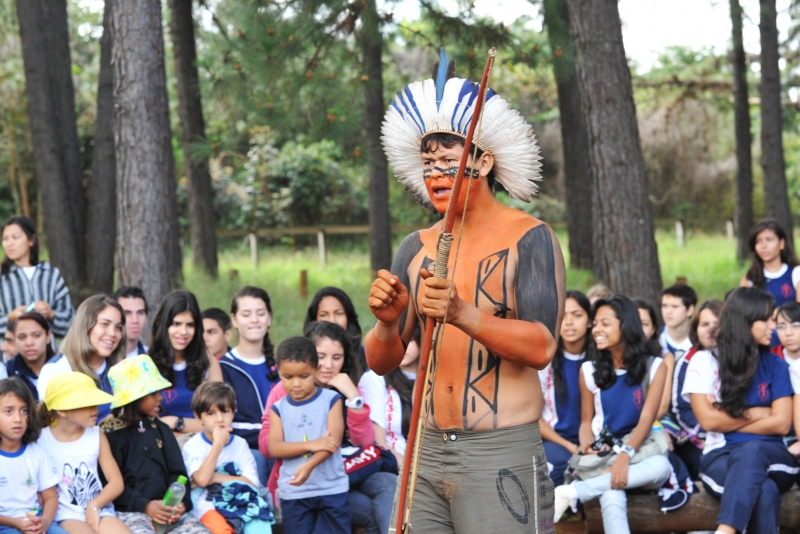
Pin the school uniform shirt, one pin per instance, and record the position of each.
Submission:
(141, 348)
(770, 382)
(619, 406)
(77, 463)
(18, 367)
(249, 378)
(60, 365)
(794, 376)
(564, 414)
(306, 421)
(386, 408)
(47, 284)
(3, 371)
(22, 475)
(681, 406)
(237, 451)
(679, 350)
(177, 400)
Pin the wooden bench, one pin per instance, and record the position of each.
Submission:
(699, 513)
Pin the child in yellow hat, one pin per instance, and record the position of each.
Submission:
(75, 445)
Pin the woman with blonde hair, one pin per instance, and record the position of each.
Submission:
(95, 342)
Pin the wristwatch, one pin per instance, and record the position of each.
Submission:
(179, 425)
(355, 404)
(630, 451)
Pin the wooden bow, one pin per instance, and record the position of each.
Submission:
(440, 270)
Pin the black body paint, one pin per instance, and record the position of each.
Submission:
(452, 172)
(536, 290)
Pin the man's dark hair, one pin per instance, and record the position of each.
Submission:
(298, 349)
(210, 394)
(431, 142)
(683, 292)
(223, 319)
(130, 292)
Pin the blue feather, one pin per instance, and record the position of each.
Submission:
(441, 76)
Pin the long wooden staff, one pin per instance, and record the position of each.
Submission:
(440, 270)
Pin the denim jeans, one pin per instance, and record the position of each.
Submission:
(371, 502)
(54, 529)
(650, 473)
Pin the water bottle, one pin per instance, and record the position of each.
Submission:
(173, 497)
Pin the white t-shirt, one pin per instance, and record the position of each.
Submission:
(702, 376)
(197, 450)
(57, 366)
(780, 272)
(135, 352)
(29, 271)
(794, 375)
(385, 409)
(77, 463)
(22, 475)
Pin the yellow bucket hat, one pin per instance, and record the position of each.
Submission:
(73, 390)
(134, 378)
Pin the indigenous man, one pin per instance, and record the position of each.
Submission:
(482, 464)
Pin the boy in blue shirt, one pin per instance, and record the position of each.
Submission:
(306, 429)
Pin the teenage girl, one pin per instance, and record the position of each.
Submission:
(178, 349)
(649, 319)
(333, 305)
(561, 418)
(612, 395)
(75, 445)
(250, 368)
(146, 451)
(95, 342)
(788, 327)
(28, 499)
(741, 395)
(33, 341)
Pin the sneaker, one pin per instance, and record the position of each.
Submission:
(673, 500)
(566, 496)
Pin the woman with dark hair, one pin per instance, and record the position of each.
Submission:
(28, 284)
(613, 396)
(32, 334)
(561, 415)
(649, 319)
(741, 395)
(250, 367)
(333, 305)
(178, 350)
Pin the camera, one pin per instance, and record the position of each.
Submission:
(606, 438)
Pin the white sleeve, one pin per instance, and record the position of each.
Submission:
(654, 368)
(246, 461)
(3, 371)
(796, 276)
(794, 375)
(49, 371)
(194, 454)
(701, 373)
(373, 389)
(587, 368)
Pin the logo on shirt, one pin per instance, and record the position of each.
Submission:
(763, 391)
(169, 395)
(638, 398)
(786, 290)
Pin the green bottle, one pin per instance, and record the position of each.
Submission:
(172, 498)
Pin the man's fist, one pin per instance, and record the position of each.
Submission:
(433, 297)
(388, 297)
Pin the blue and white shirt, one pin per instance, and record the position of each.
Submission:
(60, 365)
(47, 284)
(563, 415)
(177, 400)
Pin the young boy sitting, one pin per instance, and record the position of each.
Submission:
(306, 429)
(220, 465)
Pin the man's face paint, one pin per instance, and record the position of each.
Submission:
(452, 172)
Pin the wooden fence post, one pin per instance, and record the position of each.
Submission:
(303, 284)
(729, 231)
(253, 249)
(323, 253)
(679, 233)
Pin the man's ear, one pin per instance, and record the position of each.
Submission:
(486, 164)
(228, 334)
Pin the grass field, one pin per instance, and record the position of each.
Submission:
(706, 261)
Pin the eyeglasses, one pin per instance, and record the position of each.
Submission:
(789, 326)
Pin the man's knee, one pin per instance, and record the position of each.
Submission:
(611, 499)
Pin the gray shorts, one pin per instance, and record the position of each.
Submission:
(479, 482)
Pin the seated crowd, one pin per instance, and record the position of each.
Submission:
(189, 434)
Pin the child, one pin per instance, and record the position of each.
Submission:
(250, 368)
(29, 476)
(788, 328)
(145, 450)
(32, 335)
(73, 441)
(211, 453)
(306, 428)
(677, 307)
(217, 331)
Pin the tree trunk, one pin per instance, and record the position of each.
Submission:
(49, 131)
(577, 172)
(776, 197)
(202, 221)
(743, 216)
(101, 230)
(625, 252)
(148, 250)
(380, 232)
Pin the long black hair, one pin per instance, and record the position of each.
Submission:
(320, 329)
(653, 344)
(353, 328)
(269, 350)
(404, 387)
(558, 359)
(737, 350)
(756, 271)
(161, 351)
(791, 309)
(30, 231)
(636, 350)
(15, 386)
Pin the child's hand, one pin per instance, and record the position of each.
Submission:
(325, 443)
(794, 450)
(301, 475)
(221, 436)
(177, 512)
(93, 516)
(158, 512)
(30, 524)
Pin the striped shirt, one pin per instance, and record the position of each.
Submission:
(46, 284)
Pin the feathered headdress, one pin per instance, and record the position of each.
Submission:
(445, 104)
